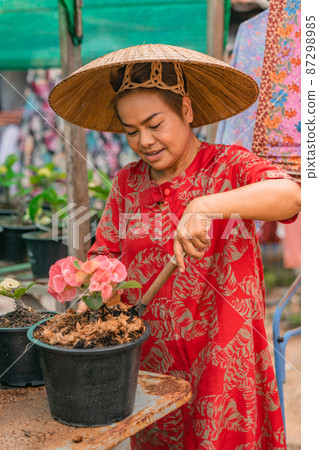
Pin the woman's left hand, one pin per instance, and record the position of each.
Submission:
(191, 235)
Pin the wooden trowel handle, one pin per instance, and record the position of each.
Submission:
(168, 270)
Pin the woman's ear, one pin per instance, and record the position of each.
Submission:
(187, 110)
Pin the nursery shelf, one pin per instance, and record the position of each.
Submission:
(26, 422)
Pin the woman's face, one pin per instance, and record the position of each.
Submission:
(154, 131)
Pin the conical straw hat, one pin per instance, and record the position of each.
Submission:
(217, 90)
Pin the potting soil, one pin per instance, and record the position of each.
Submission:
(22, 317)
(103, 327)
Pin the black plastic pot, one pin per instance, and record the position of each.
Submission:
(90, 387)
(12, 247)
(25, 368)
(43, 252)
(7, 212)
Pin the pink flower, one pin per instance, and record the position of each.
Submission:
(116, 269)
(102, 273)
(65, 296)
(62, 284)
(68, 270)
(82, 307)
(87, 268)
(106, 292)
(99, 279)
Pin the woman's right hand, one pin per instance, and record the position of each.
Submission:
(191, 235)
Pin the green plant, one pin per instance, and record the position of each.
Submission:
(98, 190)
(44, 205)
(275, 276)
(9, 287)
(9, 177)
(294, 319)
(46, 175)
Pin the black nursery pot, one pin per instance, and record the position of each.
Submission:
(43, 252)
(90, 387)
(25, 370)
(12, 247)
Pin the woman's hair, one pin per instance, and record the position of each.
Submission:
(141, 72)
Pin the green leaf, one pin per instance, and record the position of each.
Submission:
(34, 205)
(32, 167)
(11, 160)
(76, 264)
(18, 293)
(92, 302)
(90, 175)
(30, 286)
(50, 195)
(6, 293)
(128, 284)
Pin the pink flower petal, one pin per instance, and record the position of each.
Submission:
(58, 284)
(106, 292)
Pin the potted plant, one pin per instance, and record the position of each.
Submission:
(19, 366)
(43, 250)
(45, 176)
(12, 246)
(90, 357)
(8, 179)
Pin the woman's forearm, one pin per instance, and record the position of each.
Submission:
(268, 200)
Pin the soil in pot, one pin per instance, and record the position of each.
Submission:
(92, 380)
(23, 317)
(43, 251)
(17, 366)
(103, 327)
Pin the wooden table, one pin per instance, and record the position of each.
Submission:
(26, 422)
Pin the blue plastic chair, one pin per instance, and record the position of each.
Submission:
(280, 342)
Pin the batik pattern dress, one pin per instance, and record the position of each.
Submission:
(207, 323)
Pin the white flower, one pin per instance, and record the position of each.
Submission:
(9, 283)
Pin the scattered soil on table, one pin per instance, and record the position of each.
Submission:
(103, 327)
(22, 317)
(165, 387)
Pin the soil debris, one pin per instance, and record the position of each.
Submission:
(23, 317)
(163, 388)
(103, 327)
(77, 439)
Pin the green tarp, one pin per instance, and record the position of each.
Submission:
(29, 29)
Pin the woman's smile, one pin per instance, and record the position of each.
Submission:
(153, 156)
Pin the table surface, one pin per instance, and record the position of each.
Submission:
(26, 422)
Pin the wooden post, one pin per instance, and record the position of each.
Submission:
(75, 145)
(215, 43)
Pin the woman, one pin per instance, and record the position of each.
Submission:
(184, 197)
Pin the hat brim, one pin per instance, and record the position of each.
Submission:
(217, 90)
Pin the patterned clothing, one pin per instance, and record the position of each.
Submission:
(208, 323)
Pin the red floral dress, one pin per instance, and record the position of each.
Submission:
(207, 323)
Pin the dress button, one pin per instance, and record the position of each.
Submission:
(167, 191)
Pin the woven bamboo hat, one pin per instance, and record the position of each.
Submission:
(217, 90)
